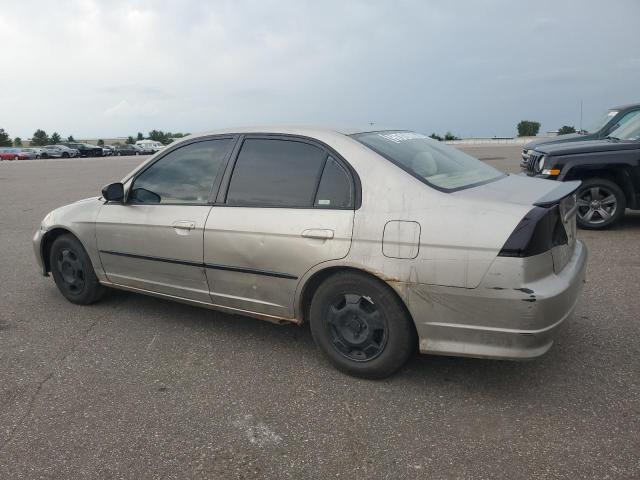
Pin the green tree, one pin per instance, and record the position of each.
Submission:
(40, 138)
(140, 136)
(130, 140)
(17, 142)
(566, 129)
(70, 138)
(5, 139)
(450, 136)
(55, 138)
(528, 128)
(435, 136)
(100, 143)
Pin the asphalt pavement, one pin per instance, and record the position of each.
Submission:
(138, 387)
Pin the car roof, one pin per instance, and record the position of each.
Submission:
(295, 130)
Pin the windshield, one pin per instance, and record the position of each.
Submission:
(596, 127)
(630, 130)
(433, 162)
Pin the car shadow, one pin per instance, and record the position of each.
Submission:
(296, 341)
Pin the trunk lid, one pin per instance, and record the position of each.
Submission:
(536, 193)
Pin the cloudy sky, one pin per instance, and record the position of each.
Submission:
(106, 68)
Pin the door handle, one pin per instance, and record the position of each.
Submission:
(184, 225)
(319, 233)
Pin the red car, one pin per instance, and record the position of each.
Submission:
(13, 154)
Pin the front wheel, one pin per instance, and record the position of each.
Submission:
(361, 326)
(73, 272)
(601, 203)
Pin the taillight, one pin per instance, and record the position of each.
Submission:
(539, 231)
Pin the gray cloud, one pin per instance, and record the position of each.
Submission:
(110, 68)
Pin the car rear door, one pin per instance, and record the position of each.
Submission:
(153, 241)
(288, 205)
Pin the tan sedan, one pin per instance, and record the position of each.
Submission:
(384, 241)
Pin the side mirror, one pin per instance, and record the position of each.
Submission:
(113, 192)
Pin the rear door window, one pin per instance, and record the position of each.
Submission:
(276, 173)
(335, 189)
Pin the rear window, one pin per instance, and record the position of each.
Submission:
(436, 164)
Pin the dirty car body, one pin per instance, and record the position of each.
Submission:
(483, 264)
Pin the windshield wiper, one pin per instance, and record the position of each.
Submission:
(612, 138)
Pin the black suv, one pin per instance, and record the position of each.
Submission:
(85, 149)
(609, 170)
(614, 118)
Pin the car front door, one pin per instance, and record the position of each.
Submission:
(287, 206)
(153, 241)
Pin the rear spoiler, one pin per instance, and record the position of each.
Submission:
(554, 196)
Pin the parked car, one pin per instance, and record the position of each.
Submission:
(59, 151)
(609, 170)
(149, 146)
(85, 149)
(384, 241)
(14, 154)
(613, 119)
(127, 149)
(107, 150)
(35, 152)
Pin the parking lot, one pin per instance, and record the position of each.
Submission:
(139, 387)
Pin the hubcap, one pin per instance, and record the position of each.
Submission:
(356, 327)
(596, 205)
(70, 269)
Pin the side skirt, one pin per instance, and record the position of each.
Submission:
(211, 306)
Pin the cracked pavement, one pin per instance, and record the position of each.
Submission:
(137, 387)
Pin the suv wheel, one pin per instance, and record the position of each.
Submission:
(601, 203)
(361, 325)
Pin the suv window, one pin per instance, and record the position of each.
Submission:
(335, 189)
(276, 173)
(626, 118)
(185, 175)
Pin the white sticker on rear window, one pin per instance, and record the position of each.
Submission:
(324, 202)
(401, 136)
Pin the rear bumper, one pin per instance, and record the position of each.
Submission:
(509, 316)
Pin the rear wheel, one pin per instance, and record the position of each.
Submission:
(361, 326)
(601, 203)
(16, 157)
(73, 272)
(65, 155)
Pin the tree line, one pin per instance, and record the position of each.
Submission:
(526, 128)
(40, 138)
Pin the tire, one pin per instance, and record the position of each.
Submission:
(16, 158)
(65, 155)
(601, 203)
(361, 326)
(44, 155)
(73, 272)
(119, 154)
